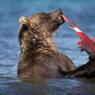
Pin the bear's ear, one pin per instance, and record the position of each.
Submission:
(23, 20)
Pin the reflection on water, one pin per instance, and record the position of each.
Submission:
(81, 11)
(14, 86)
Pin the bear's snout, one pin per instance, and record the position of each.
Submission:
(57, 14)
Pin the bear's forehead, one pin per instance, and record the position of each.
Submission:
(40, 17)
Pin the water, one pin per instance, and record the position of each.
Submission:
(81, 11)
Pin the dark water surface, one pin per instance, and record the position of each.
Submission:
(81, 11)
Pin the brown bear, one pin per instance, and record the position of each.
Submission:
(39, 57)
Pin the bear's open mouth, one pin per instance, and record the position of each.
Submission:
(63, 18)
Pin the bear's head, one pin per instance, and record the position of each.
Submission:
(36, 31)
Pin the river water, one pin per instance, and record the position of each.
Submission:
(79, 11)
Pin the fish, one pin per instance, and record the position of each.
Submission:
(85, 43)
